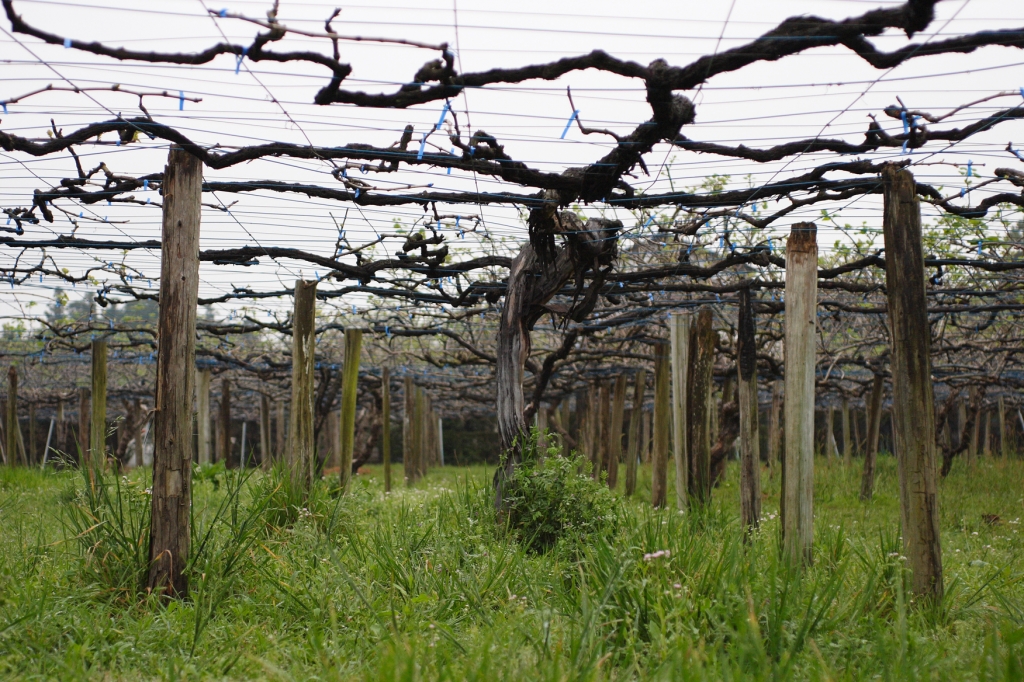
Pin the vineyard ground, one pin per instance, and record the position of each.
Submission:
(422, 584)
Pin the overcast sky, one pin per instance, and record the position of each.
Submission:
(825, 91)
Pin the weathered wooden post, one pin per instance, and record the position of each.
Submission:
(12, 416)
(602, 429)
(635, 435)
(30, 454)
(224, 424)
(867, 481)
(831, 450)
(615, 431)
(83, 426)
(265, 457)
(662, 425)
(645, 437)
(750, 439)
(1004, 441)
(281, 435)
(913, 410)
(420, 435)
(385, 436)
(798, 470)
(679, 334)
(301, 443)
(972, 452)
(847, 436)
(702, 360)
(202, 416)
(98, 424)
(175, 388)
(349, 393)
(137, 423)
(409, 464)
(775, 427)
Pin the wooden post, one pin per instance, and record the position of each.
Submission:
(137, 423)
(98, 424)
(798, 470)
(408, 452)
(635, 415)
(702, 360)
(349, 388)
(265, 456)
(867, 481)
(281, 435)
(855, 428)
(662, 425)
(913, 409)
(775, 428)
(301, 443)
(175, 383)
(1004, 442)
(645, 437)
(847, 436)
(417, 432)
(83, 426)
(831, 450)
(385, 436)
(224, 424)
(750, 439)
(987, 438)
(12, 416)
(972, 452)
(679, 331)
(202, 416)
(615, 431)
(602, 430)
(30, 453)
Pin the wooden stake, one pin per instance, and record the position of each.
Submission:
(1004, 441)
(679, 330)
(385, 438)
(301, 438)
(83, 426)
(635, 436)
(775, 428)
(798, 470)
(408, 449)
(831, 450)
(867, 481)
(615, 431)
(12, 416)
(281, 449)
(224, 424)
(202, 416)
(750, 439)
(662, 425)
(175, 383)
(847, 436)
(98, 423)
(30, 454)
(913, 409)
(349, 389)
(645, 437)
(702, 360)
(265, 457)
(602, 428)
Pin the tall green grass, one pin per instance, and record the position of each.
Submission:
(422, 584)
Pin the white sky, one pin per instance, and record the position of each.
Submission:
(825, 91)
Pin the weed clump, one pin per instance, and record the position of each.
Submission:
(554, 500)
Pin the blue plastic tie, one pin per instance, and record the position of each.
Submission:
(67, 43)
(181, 100)
(771, 248)
(721, 242)
(387, 331)
(357, 194)
(145, 184)
(905, 146)
(423, 143)
(979, 247)
(4, 104)
(223, 13)
(963, 191)
(650, 220)
(317, 275)
(969, 171)
(906, 126)
(444, 112)
(1022, 92)
(569, 123)
(240, 58)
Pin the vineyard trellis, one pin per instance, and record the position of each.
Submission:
(474, 315)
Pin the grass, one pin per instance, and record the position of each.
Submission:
(421, 585)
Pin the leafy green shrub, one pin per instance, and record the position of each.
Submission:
(554, 500)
